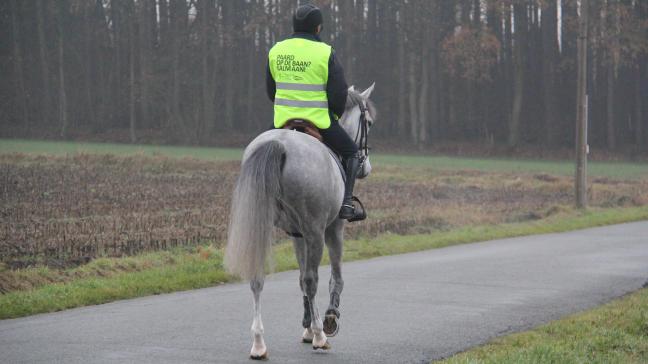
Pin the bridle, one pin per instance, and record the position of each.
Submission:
(363, 133)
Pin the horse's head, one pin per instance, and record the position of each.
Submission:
(358, 117)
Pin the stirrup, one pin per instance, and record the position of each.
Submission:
(359, 214)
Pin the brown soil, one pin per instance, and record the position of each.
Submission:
(65, 211)
(62, 211)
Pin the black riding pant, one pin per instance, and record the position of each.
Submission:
(338, 140)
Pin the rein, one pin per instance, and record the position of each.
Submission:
(363, 133)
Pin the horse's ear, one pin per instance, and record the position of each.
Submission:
(351, 88)
(366, 93)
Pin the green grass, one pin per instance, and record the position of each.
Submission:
(162, 272)
(599, 169)
(614, 333)
(63, 148)
(152, 273)
(563, 168)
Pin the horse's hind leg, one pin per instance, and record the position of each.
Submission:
(334, 236)
(314, 256)
(259, 350)
(300, 252)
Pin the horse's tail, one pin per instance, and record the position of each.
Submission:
(253, 212)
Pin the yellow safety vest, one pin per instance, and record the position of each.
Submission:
(300, 70)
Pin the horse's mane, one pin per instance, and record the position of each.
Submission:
(354, 99)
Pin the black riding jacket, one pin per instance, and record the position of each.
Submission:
(336, 87)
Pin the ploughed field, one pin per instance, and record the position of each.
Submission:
(63, 211)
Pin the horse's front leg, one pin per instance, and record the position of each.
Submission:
(314, 249)
(334, 236)
(259, 350)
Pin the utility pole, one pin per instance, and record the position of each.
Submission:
(581, 108)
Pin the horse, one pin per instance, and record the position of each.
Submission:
(292, 181)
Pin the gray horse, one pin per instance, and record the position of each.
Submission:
(290, 180)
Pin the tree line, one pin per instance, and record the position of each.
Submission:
(500, 72)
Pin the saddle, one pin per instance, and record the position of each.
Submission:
(304, 126)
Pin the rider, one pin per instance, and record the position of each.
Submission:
(305, 81)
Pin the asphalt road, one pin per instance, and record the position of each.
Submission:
(402, 309)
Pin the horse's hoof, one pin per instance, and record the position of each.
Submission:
(326, 346)
(331, 325)
(263, 356)
(307, 336)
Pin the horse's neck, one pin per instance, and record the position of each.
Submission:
(351, 127)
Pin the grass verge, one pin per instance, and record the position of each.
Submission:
(110, 279)
(614, 333)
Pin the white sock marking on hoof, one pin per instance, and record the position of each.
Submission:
(259, 350)
(263, 356)
(307, 336)
(320, 341)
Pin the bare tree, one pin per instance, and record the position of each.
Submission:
(43, 61)
(549, 58)
(63, 108)
(132, 40)
(18, 64)
(581, 109)
(519, 59)
(193, 70)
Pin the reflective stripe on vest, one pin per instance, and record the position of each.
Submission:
(300, 86)
(300, 70)
(297, 103)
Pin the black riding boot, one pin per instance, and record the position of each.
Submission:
(351, 166)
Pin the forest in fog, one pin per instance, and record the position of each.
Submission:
(496, 72)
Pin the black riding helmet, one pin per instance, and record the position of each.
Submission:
(306, 18)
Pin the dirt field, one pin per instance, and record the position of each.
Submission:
(65, 211)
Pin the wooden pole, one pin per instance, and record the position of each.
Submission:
(581, 109)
